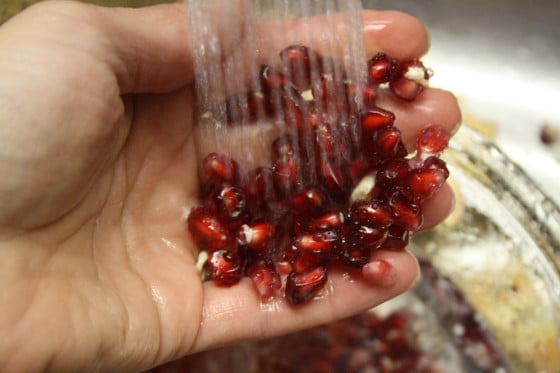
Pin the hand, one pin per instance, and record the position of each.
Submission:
(98, 167)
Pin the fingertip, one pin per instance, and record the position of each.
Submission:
(397, 34)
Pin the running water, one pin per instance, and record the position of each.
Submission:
(234, 39)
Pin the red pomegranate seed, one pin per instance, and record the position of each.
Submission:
(355, 256)
(220, 168)
(382, 69)
(320, 242)
(207, 230)
(391, 174)
(310, 201)
(230, 202)
(405, 213)
(332, 220)
(369, 96)
(225, 268)
(266, 280)
(421, 185)
(301, 287)
(389, 143)
(373, 213)
(376, 118)
(255, 235)
(397, 237)
(365, 236)
(432, 140)
(305, 261)
(298, 61)
(407, 89)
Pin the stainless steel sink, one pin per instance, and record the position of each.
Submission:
(502, 59)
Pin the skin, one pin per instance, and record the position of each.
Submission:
(98, 168)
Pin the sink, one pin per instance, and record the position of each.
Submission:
(502, 60)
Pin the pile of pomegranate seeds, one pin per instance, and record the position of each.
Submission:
(341, 183)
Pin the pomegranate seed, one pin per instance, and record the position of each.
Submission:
(225, 268)
(220, 169)
(366, 237)
(391, 174)
(304, 261)
(376, 118)
(298, 61)
(207, 230)
(397, 237)
(369, 96)
(406, 214)
(355, 256)
(255, 235)
(373, 213)
(230, 203)
(310, 200)
(301, 287)
(266, 280)
(421, 185)
(319, 242)
(330, 221)
(382, 69)
(432, 140)
(406, 89)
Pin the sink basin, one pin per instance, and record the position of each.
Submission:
(502, 59)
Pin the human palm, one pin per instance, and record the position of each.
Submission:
(99, 166)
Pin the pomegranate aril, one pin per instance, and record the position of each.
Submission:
(298, 61)
(301, 287)
(397, 237)
(365, 236)
(230, 203)
(406, 89)
(421, 185)
(374, 213)
(329, 221)
(432, 140)
(255, 235)
(376, 118)
(391, 174)
(266, 280)
(310, 200)
(405, 213)
(219, 168)
(323, 242)
(382, 69)
(355, 256)
(225, 267)
(207, 230)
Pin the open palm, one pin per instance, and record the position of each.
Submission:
(98, 172)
